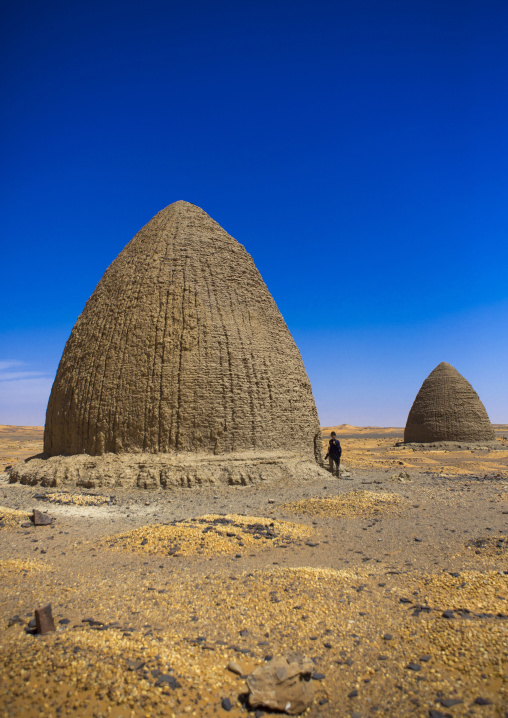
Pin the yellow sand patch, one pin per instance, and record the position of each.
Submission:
(18, 565)
(354, 503)
(12, 518)
(77, 499)
(470, 590)
(208, 535)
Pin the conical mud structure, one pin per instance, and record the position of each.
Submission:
(447, 408)
(180, 370)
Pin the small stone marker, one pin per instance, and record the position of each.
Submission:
(44, 620)
(41, 519)
(235, 667)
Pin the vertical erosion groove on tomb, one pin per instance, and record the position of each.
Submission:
(447, 408)
(181, 348)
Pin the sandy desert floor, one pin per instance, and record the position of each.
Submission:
(393, 581)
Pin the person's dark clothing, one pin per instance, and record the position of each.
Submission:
(334, 454)
(334, 450)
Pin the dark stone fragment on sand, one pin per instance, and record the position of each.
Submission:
(405, 600)
(226, 704)
(414, 667)
(40, 519)
(144, 542)
(448, 614)
(433, 713)
(44, 620)
(239, 650)
(482, 701)
(418, 540)
(15, 619)
(238, 555)
(244, 632)
(327, 645)
(167, 680)
(449, 702)
(426, 658)
(349, 661)
(352, 694)
(134, 665)
(64, 621)
(318, 676)
(263, 643)
(323, 701)
(311, 544)
(387, 637)
(382, 658)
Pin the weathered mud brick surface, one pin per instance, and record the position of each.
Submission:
(447, 408)
(180, 351)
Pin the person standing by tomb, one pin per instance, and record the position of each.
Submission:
(334, 453)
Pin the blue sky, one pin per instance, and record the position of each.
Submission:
(358, 150)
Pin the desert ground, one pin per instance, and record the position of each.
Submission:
(392, 579)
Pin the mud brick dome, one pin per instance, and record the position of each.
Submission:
(447, 408)
(180, 349)
(181, 346)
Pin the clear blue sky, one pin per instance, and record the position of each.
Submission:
(357, 148)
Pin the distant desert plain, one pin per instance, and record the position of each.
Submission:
(392, 580)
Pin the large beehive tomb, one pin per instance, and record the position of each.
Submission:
(180, 370)
(447, 408)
